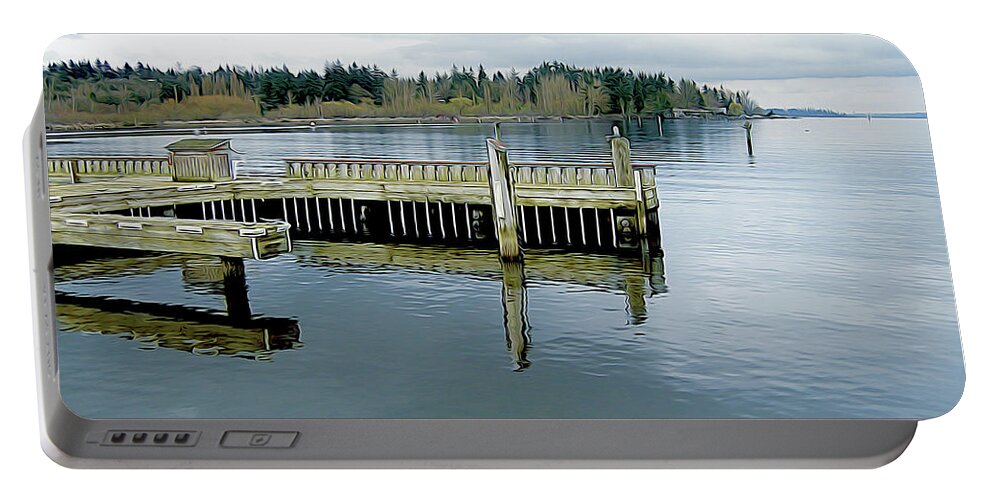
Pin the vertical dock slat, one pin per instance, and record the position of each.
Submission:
(455, 221)
(524, 175)
(599, 176)
(330, 215)
(584, 176)
(540, 175)
(568, 232)
(537, 223)
(417, 228)
(524, 226)
(582, 225)
(441, 220)
(551, 216)
(569, 176)
(306, 212)
(596, 221)
(555, 175)
(427, 217)
(317, 206)
(613, 228)
(355, 224)
(389, 214)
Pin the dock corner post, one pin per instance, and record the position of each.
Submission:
(502, 194)
(620, 152)
(625, 176)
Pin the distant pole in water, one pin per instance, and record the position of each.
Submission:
(661, 119)
(748, 136)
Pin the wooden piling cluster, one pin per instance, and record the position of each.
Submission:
(498, 202)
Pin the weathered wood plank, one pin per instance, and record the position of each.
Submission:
(165, 234)
(575, 197)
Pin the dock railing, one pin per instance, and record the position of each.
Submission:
(75, 166)
(454, 172)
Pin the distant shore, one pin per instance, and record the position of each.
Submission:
(276, 124)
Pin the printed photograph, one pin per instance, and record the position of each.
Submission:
(496, 226)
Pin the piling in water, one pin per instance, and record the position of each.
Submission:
(504, 212)
(748, 136)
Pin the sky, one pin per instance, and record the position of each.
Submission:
(853, 73)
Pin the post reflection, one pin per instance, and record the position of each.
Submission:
(635, 277)
(515, 313)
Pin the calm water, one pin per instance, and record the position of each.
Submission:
(811, 281)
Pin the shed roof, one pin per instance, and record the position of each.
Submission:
(198, 144)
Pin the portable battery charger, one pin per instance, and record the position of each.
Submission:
(486, 251)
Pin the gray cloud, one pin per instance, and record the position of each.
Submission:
(843, 72)
(701, 57)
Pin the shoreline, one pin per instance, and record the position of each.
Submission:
(287, 124)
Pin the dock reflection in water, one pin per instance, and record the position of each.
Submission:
(237, 332)
(231, 332)
(631, 276)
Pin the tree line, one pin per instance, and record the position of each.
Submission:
(92, 91)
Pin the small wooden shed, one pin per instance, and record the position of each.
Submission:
(201, 160)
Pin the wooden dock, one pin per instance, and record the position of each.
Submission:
(142, 203)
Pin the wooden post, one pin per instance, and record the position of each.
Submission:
(661, 128)
(620, 151)
(748, 136)
(73, 166)
(502, 195)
